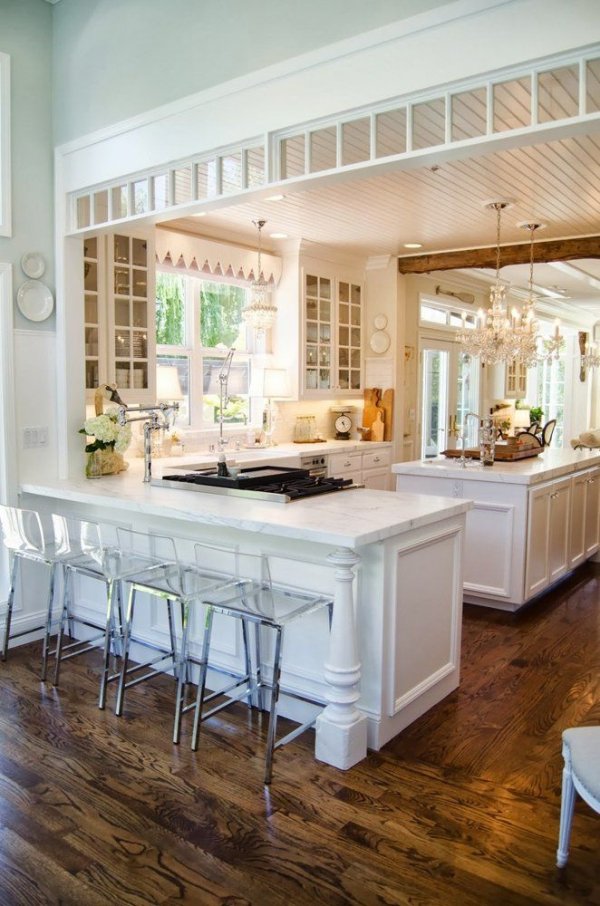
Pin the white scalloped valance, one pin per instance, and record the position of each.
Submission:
(218, 259)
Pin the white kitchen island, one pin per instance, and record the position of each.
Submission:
(393, 562)
(532, 522)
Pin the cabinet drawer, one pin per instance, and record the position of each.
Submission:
(340, 463)
(377, 459)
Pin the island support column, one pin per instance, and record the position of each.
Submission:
(341, 729)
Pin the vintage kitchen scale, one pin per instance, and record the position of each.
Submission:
(342, 422)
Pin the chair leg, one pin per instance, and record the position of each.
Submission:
(126, 633)
(46, 648)
(109, 631)
(173, 651)
(566, 816)
(274, 699)
(202, 678)
(248, 662)
(9, 606)
(182, 673)
(260, 698)
(64, 616)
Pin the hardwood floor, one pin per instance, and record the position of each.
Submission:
(461, 808)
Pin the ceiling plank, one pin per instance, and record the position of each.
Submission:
(552, 250)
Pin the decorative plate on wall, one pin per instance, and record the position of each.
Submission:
(380, 341)
(33, 265)
(35, 300)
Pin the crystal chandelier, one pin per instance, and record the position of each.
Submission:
(260, 313)
(496, 336)
(533, 347)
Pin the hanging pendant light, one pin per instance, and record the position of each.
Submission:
(260, 314)
(527, 335)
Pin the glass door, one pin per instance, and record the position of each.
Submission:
(449, 390)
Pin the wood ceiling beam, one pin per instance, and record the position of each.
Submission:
(551, 250)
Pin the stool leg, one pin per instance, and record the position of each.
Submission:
(117, 625)
(202, 678)
(46, 648)
(274, 698)
(108, 637)
(65, 614)
(260, 698)
(9, 606)
(172, 635)
(566, 816)
(182, 673)
(248, 661)
(126, 632)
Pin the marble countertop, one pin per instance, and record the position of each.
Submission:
(350, 518)
(548, 465)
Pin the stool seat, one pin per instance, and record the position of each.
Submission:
(264, 602)
(581, 774)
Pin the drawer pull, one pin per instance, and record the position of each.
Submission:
(376, 459)
(347, 463)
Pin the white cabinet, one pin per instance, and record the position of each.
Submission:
(371, 468)
(332, 328)
(579, 486)
(592, 505)
(548, 535)
(120, 314)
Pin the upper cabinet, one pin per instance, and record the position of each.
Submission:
(120, 314)
(332, 329)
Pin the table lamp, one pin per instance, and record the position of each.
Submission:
(275, 386)
(168, 390)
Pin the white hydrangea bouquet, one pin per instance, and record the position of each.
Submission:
(109, 441)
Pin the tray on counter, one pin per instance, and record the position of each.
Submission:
(507, 454)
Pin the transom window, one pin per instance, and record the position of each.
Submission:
(197, 321)
(443, 316)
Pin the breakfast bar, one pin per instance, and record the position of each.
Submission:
(532, 522)
(394, 646)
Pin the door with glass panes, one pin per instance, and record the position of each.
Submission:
(449, 384)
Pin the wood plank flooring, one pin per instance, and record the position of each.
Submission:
(461, 808)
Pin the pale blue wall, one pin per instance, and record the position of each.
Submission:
(117, 58)
(26, 35)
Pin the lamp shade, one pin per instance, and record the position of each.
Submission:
(521, 419)
(275, 383)
(167, 383)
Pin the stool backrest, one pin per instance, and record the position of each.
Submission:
(76, 537)
(220, 562)
(147, 546)
(22, 531)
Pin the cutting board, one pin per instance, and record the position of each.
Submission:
(372, 405)
(500, 454)
(387, 404)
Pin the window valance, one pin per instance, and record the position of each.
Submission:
(199, 255)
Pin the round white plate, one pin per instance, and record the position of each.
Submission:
(380, 341)
(380, 322)
(35, 300)
(33, 265)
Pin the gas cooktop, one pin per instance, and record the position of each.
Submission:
(274, 483)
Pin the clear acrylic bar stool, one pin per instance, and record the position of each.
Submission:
(26, 538)
(92, 555)
(175, 583)
(255, 598)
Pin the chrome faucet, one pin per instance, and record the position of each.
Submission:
(151, 424)
(223, 395)
(463, 436)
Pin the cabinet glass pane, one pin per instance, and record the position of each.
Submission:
(90, 276)
(91, 341)
(140, 314)
(324, 357)
(311, 379)
(355, 358)
(123, 375)
(343, 314)
(343, 357)
(90, 247)
(312, 333)
(122, 249)
(355, 336)
(325, 311)
(139, 252)
(140, 345)
(344, 292)
(91, 310)
(325, 333)
(91, 374)
(312, 309)
(121, 281)
(355, 380)
(122, 312)
(355, 294)
(343, 378)
(355, 315)
(324, 382)
(344, 336)
(311, 355)
(312, 285)
(122, 344)
(140, 376)
(325, 288)
(140, 283)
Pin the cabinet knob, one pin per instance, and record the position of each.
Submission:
(347, 463)
(376, 459)
(554, 496)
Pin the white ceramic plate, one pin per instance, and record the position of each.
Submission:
(33, 265)
(35, 300)
(380, 341)
(380, 322)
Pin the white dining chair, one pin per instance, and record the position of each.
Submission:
(581, 774)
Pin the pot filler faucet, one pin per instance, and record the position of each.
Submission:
(152, 422)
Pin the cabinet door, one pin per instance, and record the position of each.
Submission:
(94, 311)
(558, 530)
(515, 380)
(318, 309)
(377, 479)
(577, 528)
(592, 502)
(537, 541)
(131, 315)
(349, 336)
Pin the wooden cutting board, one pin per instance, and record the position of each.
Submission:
(372, 398)
(387, 404)
(501, 455)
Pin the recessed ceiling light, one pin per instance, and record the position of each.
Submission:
(278, 235)
(201, 214)
(413, 245)
(275, 197)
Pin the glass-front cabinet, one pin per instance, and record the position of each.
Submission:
(332, 338)
(120, 314)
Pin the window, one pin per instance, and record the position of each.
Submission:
(549, 389)
(5, 212)
(197, 321)
(445, 317)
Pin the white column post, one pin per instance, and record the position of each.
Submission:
(341, 728)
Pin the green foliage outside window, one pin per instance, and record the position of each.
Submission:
(170, 310)
(220, 313)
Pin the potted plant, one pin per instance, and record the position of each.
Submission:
(536, 415)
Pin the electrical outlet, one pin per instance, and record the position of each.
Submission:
(35, 437)
(457, 488)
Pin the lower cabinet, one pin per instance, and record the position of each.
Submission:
(548, 535)
(371, 468)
